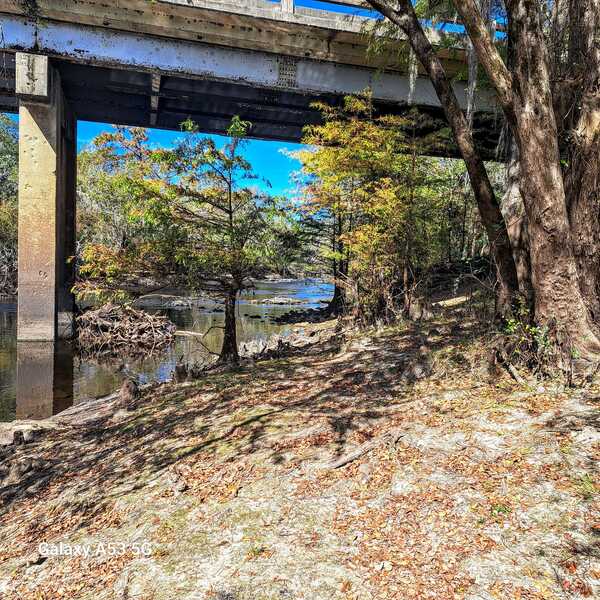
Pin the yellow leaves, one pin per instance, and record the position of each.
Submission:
(100, 261)
(232, 490)
(258, 551)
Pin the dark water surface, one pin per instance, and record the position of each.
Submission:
(39, 379)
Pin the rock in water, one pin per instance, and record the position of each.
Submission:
(278, 300)
(129, 393)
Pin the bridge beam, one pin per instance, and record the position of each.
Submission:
(47, 180)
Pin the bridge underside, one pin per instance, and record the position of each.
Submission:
(140, 98)
(56, 71)
(158, 64)
(53, 93)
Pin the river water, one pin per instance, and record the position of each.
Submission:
(73, 379)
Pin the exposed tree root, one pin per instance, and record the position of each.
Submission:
(390, 437)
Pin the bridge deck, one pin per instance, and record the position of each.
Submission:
(277, 27)
(156, 63)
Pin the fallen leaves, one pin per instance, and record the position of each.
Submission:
(484, 488)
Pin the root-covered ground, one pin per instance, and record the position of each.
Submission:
(460, 484)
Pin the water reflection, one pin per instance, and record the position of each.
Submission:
(8, 358)
(38, 381)
(44, 379)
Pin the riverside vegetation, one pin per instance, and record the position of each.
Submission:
(432, 433)
(389, 463)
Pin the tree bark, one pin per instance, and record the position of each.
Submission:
(513, 210)
(405, 275)
(337, 304)
(582, 177)
(229, 349)
(583, 195)
(526, 98)
(338, 301)
(404, 16)
(513, 207)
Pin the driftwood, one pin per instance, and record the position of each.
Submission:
(8, 270)
(515, 374)
(114, 329)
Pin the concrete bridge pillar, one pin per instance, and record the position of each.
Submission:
(44, 379)
(47, 180)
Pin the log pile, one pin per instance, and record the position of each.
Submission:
(8, 270)
(113, 329)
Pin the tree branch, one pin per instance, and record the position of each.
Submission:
(405, 17)
(486, 50)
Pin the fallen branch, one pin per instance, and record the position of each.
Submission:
(515, 374)
(390, 437)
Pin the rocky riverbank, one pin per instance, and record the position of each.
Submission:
(384, 465)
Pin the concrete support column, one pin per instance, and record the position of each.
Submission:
(44, 379)
(47, 180)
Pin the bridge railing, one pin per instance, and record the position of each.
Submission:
(361, 8)
(334, 6)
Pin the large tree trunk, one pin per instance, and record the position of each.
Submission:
(583, 198)
(404, 16)
(582, 180)
(513, 207)
(229, 350)
(559, 301)
(526, 98)
(516, 223)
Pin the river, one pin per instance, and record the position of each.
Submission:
(76, 380)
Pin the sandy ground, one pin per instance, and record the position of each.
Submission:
(467, 485)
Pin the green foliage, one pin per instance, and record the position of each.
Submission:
(9, 158)
(184, 208)
(8, 205)
(586, 487)
(117, 239)
(386, 209)
(497, 510)
(202, 192)
(525, 343)
(190, 215)
(287, 244)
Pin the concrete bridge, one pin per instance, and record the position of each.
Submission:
(155, 63)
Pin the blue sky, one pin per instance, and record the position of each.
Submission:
(268, 159)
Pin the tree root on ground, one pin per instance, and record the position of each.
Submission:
(390, 437)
